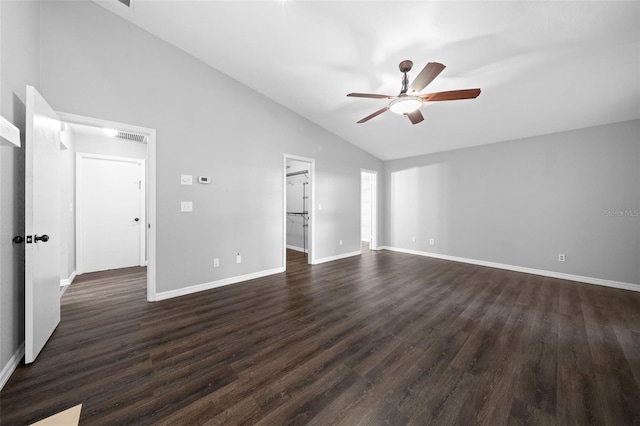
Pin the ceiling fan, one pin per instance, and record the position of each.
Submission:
(408, 102)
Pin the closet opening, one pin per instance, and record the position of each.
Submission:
(298, 207)
(368, 209)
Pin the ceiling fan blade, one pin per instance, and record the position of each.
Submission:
(426, 76)
(371, 95)
(415, 116)
(375, 114)
(451, 95)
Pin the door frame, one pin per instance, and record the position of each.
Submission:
(373, 244)
(312, 210)
(80, 156)
(150, 202)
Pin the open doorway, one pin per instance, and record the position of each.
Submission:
(109, 155)
(368, 209)
(298, 206)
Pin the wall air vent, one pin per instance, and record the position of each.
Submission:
(133, 137)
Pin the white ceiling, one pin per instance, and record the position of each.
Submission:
(543, 67)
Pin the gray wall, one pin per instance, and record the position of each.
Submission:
(96, 64)
(524, 202)
(19, 65)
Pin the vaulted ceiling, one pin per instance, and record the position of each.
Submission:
(543, 67)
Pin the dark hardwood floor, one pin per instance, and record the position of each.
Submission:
(383, 338)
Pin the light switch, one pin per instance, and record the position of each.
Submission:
(186, 206)
(186, 179)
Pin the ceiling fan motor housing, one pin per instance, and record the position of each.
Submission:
(405, 66)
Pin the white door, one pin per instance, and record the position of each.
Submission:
(42, 224)
(110, 200)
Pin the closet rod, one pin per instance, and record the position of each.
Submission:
(302, 172)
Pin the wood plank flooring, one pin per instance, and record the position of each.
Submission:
(382, 338)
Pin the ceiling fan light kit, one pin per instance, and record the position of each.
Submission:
(409, 105)
(405, 104)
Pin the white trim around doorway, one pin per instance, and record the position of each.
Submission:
(150, 190)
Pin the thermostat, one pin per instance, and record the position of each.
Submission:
(204, 179)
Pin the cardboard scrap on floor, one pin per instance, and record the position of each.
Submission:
(70, 417)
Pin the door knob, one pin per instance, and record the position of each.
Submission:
(18, 239)
(43, 238)
(137, 219)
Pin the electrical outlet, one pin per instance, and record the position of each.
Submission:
(561, 258)
(413, 239)
(238, 258)
(216, 262)
(432, 241)
(340, 242)
(186, 179)
(186, 206)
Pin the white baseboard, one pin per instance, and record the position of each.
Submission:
(340, 256)
(296, 248)
(542, 272)
(213, 284)
(11, 365)
(67, 281)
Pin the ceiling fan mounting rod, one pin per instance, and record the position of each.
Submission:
(405, 85)
(405, 67)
